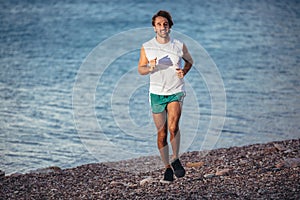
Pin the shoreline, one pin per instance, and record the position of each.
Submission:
(265, 171)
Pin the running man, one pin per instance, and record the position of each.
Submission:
(162, 58)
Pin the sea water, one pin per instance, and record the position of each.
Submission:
(254, 45)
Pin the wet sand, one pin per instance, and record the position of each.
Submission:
(258, 171)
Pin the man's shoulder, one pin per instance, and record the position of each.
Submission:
(149, 42)
(177, 41)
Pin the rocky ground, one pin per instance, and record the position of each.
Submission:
(259, 171)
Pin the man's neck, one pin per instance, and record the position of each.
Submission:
(162, 40)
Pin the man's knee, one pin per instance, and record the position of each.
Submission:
(173, 129)
(162, 139)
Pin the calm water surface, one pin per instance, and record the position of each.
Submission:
(255, 45)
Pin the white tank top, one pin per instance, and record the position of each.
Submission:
(164, 79)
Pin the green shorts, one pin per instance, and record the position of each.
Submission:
(159, 102)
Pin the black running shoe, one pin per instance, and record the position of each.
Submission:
(168, 176)
(178, 169)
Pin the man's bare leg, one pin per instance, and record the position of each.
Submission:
(160, 120)
(174, 113)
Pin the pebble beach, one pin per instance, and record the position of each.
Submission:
(258, 171)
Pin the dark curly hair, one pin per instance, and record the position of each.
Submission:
(165, 14)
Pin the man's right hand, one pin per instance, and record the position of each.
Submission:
(152, 64)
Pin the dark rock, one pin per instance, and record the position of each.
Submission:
(258, 171)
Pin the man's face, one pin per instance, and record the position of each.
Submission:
(161, 27)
